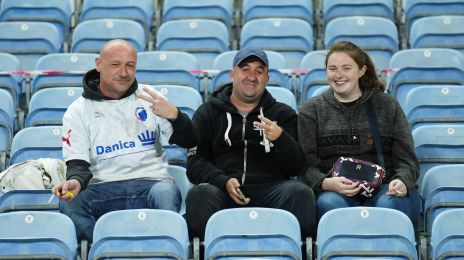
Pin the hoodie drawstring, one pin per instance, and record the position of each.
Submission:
(229, 125)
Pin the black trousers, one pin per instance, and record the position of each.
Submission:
(204, 200)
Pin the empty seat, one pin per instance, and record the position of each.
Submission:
(7, 126)
(180, 177)
(448, 235)
(377, 35)
(21, 200)
(283, 95)
(203, 38)
(316, 75)
(37, 235)
(10, 82)
(245, 233)
(36, 142)
(89, 36)
(48, 106)
(221, 10)
(257, 9)
(28, 41)
(137, 233)
(438, 32)
(356, 232)
(291, 37)
(339, 8)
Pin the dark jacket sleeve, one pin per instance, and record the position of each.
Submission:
(185, 133)
(79, 170)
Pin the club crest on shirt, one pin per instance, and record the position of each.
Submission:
(141, 114)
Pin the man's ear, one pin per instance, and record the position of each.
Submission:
(97, 64)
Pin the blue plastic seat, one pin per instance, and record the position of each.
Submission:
(377, 35)
(438, 32)
(257, 9)
(37, 235)
(10, 82)
(7, 125)
(21, 200)
(137, 233)
(28, 41)
(316, 76)
(220, 10)
(448, 235)
(180, 176)
(415, 67)
(243, 233)
(89, 36)
(339, 8)
(365, 233)
(36, 142)
(442, 189)
(291, 37)
(283, 95)
(48, 106)
(201, 37)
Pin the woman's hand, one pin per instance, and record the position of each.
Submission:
(341, 185)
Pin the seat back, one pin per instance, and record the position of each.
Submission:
(21, 200)
(257, 9)
(180, 177)
(10, 82)
(283, 95)
(316, 76)
(7, 119)
(448, 235)
(340, 8)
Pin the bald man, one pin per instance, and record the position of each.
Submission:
(111, 143)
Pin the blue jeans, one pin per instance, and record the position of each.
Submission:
(98, 199)
(409, 205)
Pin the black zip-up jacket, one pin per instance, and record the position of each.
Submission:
(214, 161)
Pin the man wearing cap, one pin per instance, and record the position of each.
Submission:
(248, 144)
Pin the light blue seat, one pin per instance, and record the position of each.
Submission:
(180, 177)
(243, 233)
(140, 11)
(48, 106)
(89, 36)
(21, 200)
(438, 32)
(434, 104)
(57, 12)
(377, 35)
(448, 235)
(316, 76)
(10, 82)
(167, 68)
(220, 10)
(37, 235)
(137, 233)
(438, 144)
(7, 125)
(283, 95)
(415, 9)
(257, 9)
(339, 8)
(414, 67)
(72, 65)
(36, 142)
(28, 41)
(442, 189)
(365, 233)
(291, 37)
(203, 38)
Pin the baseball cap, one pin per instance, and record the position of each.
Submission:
(248, 52)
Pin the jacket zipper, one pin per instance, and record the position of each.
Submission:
(244, 150)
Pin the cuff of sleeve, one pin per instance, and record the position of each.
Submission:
(220, 181)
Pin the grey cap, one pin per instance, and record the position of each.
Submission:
(248, 52)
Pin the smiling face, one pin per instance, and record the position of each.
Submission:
(343, 76)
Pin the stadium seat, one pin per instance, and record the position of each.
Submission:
(244, 233)
(36, 142)
(221, 10)
(257, 9)
(291, 37)
(377, 35)
(203, 38)
(180, 177)
(140, 11)
(167, 68)
(438, 32)
(48, 106)
(448, 235)
(414, 67)
(340, 8)
(415, 9)
(442, 189)
(89, 36)
(315, 77)
(37, 235)
(21, 200)
(140, 233)
(69, 68)
(434, 104)
(438, 144)
(57, 12)
(7, 125)
(365, 233)
(10, 82)
(283, 95)
(28, 41)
